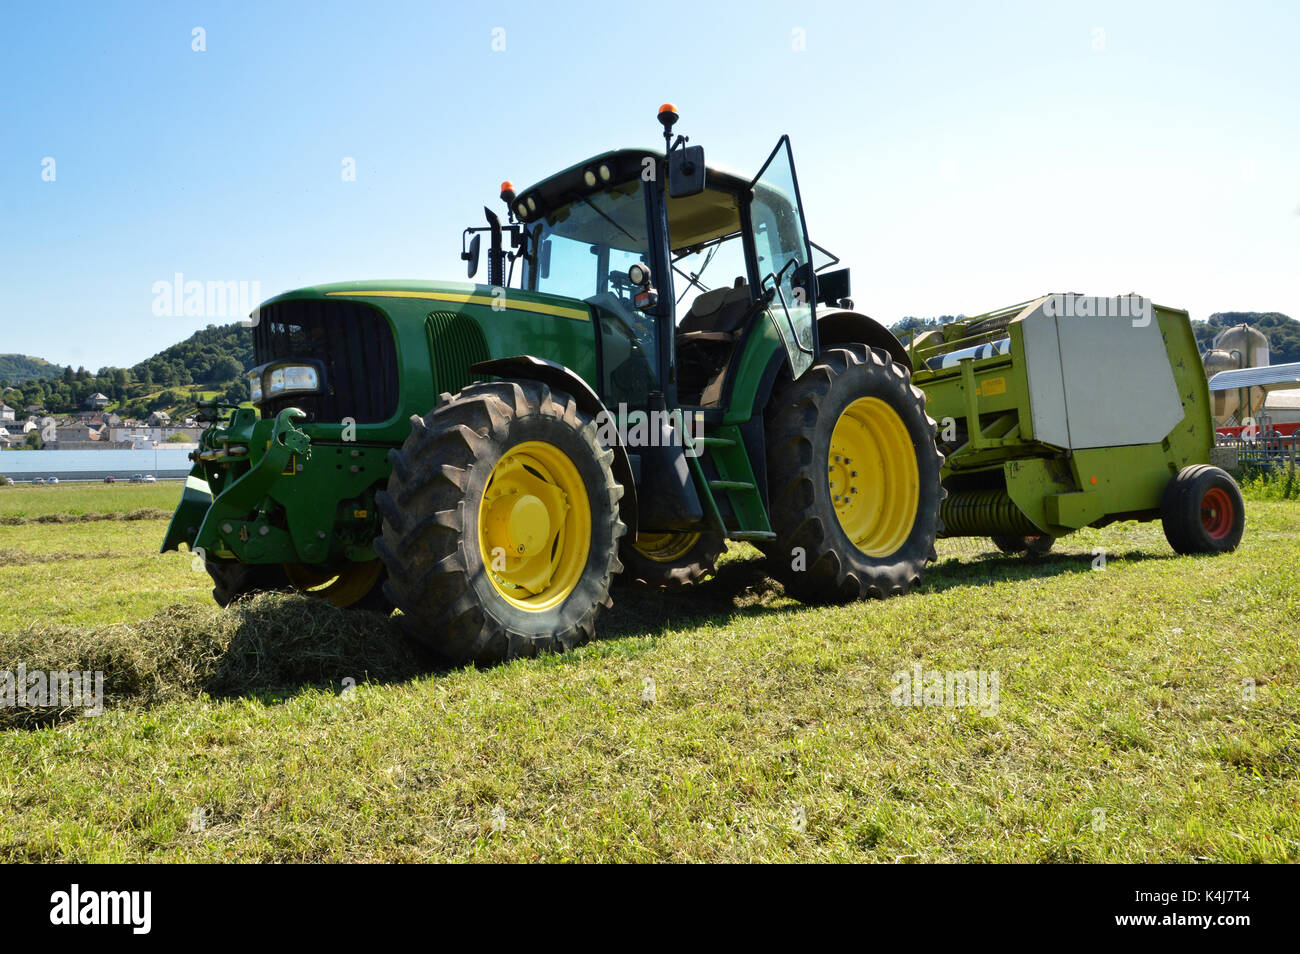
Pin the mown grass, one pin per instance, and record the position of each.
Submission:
(1147, 712)
(25, 502)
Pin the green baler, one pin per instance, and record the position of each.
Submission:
(1068, 412)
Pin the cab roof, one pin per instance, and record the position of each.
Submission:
(693, 220)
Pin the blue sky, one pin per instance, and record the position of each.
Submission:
(958, 156)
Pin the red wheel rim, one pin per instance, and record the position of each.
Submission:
(1217, 513)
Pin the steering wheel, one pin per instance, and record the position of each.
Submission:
(620, 281)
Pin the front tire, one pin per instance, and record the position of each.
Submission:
(854, 475)
(501, 525)
(666, 560)
(234, 581)
(353, 585)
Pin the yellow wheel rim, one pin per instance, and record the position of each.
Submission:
(534, 526)
(342, 588)
(874, 482)
(665, 547)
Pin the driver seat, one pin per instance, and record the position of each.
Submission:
(706, 338)
(718, 312)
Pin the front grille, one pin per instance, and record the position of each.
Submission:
(354, 343)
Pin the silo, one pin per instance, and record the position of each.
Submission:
(1224, 404)
(1245, 347)
(1248, 345)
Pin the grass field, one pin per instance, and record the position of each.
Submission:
(1147, 711)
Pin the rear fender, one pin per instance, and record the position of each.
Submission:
(848, 327)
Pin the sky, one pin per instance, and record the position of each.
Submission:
(958, 157)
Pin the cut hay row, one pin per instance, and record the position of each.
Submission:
(147, 513)
(273, 640)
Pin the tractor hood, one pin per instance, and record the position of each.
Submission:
(450, 294)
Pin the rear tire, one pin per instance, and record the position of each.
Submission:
(1202, 511)
(501, 524)
(850, 530)
(665, 560)
(1037, 545)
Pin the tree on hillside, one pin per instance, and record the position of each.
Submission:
(225, 369)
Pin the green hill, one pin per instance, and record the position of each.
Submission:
(209, 363)
(23, 367)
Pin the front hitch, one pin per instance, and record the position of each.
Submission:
(226, 524)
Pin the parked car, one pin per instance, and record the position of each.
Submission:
(149, 479)
(38, 480)
(8, 481)
(137, 478)
(110, 479)
(53, 480)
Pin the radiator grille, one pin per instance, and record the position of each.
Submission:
(355, 344)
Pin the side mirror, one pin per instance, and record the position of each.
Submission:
(544, 259)
(833, 287)
(686, 171)
(471, 257)
(804, 283)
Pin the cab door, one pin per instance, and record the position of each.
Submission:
(784, 255)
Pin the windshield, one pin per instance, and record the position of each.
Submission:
(583, 250)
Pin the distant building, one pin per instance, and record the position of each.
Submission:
(6, 412)
(97, 401)
(159, 419)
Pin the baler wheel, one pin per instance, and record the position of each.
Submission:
(1202, 511)
(1036, 545)
(501, 525)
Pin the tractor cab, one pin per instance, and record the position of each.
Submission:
(679, 261)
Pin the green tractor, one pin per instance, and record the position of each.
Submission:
(670, 369)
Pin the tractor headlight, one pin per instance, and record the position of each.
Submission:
(255, 387)
(292, 377)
